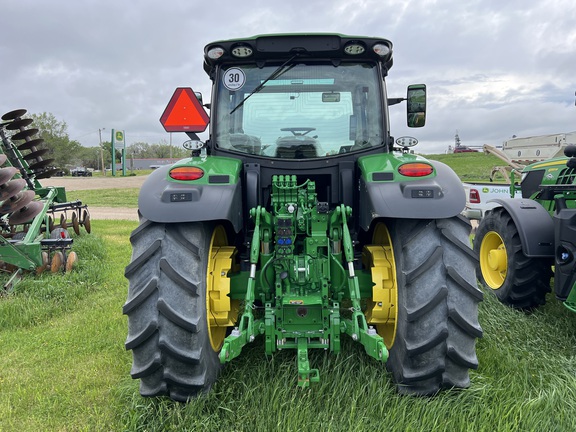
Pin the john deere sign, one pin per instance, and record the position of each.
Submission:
(118, 141)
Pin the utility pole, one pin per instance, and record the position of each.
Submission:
(102, 151)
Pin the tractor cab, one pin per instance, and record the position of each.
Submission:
(317, 96)
(316, 103)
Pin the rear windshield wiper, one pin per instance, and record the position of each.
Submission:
(279, 71)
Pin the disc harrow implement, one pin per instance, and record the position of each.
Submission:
(30, 240)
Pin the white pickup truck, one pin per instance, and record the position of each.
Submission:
(478, 195)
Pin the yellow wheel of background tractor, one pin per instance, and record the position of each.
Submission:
(493, 260)
(382, 310)
(516, 280)
(221, 311)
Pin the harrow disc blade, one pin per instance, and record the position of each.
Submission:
(63, 223)
(24, 134)
(36, 154)
(11, 188)
(29, 144)
(26, 214)
(12, 115)
(86, 222)
(75, 223)
(6, 174)
(17, 201)
(40, 164)
(71, 259)
(46, 173)
(40, 270)
(3, 158)
(57, 261)
(20, 123)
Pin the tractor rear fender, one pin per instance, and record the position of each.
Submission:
(438, 197)
(535, 225)
(164, 201)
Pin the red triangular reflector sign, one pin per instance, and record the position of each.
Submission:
(184, 113)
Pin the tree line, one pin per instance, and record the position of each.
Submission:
(69, 153)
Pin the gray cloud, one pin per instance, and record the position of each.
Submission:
(493, 69)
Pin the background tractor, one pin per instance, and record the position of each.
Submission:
(520, 240)
(297, 221)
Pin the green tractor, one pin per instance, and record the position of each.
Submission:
(520, 240)
(297, 221)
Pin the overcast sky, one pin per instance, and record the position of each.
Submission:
(494, 68)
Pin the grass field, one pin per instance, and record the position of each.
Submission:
(63, 367)
(470, 167)
(107, 197)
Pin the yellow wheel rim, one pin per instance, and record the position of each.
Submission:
(493, 260)
(221, 312)
(382, 308)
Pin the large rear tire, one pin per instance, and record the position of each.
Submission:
(437, 312)
(517, 280)
(169, 332)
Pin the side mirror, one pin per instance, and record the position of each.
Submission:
(416, 105)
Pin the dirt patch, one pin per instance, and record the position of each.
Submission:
(113, 213)
(87, 183)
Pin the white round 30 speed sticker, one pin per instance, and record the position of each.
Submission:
(234, 79)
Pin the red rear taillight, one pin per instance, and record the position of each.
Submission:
(186, 173)
(474, 196)
(415, 169)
